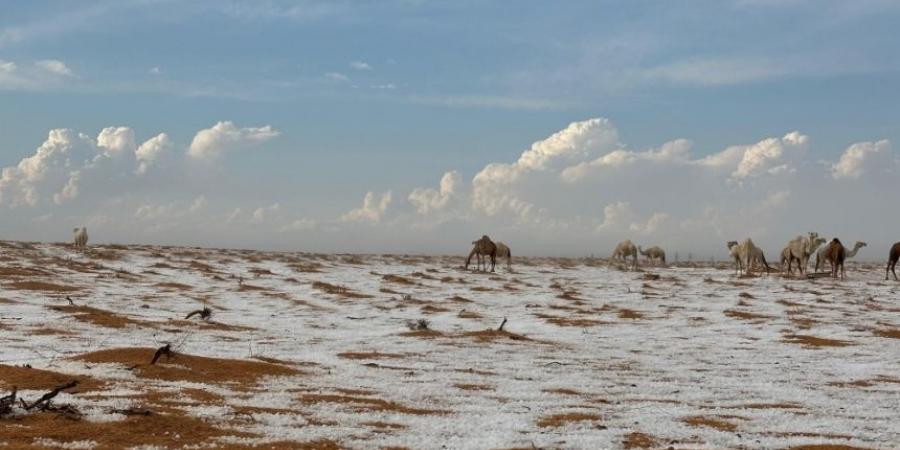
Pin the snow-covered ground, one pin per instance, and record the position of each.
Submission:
(591, 356)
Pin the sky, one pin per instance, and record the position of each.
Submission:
(416, 126)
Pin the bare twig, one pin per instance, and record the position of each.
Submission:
(164, 350)
(204, 313)
(7, 402)
(502, 324)
(44, 401)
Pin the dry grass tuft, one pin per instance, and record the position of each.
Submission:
(561, 420)
(639, 440)
(711, 422)
(183, 367)
(814, 342)
(341, 291)
(39, 286)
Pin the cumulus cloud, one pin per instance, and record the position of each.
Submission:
(372, 209)
(39, 75)
(494, 186)
(619, 216)
(151, 151)
(264, 212)
(210, 143)
(863, 157)
(671, 152)
(428, 200)
(770, 156)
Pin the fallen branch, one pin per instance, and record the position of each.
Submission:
(502, 324)
(204, 313)
(6, 403)
(131, 411)
(44, 401)
(164, 350)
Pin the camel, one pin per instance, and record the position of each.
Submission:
(820, 255)
(653, 253)
(800, 249)
(80, 237)
(504, 252)
(892, 261)
(734, 252)
(747, 252)
(483, 247)
(625, 249)
(835, 253)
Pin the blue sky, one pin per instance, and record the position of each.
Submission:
(389, 96)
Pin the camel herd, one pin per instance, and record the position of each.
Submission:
(746, 255)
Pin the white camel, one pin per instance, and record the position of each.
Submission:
(745, 254)
(504, 252)
(80, 237)
(625, 249)
(820, 255)
(800, 249)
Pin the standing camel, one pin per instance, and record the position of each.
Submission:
(892, 261)
(820, 255)
(483, 247)
(800, 249)
(734, 250)
(653, 253)
(625, 249)
(504, 252)
(835, 253)
(80, 237)
(747, 253)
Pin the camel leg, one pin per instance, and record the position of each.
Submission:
(493, 262)
(893, 267)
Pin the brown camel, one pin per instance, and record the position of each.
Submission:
(835, 253)
(654, 253)
(892, 261)
(504, 252)
(483, 247)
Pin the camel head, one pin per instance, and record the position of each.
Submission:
(859, 244)
(76, 229)
(731, 244)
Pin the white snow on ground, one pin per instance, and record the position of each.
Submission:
(690, 357)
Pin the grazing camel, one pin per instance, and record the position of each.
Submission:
(748, 253)
(892, 261)
(625, 249)
(800, 249)
(820, 255)
(504, 252)
(653, 253)
(835, 253)
(483, 247)
(80, 237)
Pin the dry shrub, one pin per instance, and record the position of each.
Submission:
(341, 291)
(625, 313)
(174, 286)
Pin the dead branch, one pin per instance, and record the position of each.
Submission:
(7, 402)
(204, 313)
(131, 411)
(502, 324)
(164, 350)
(44, 401)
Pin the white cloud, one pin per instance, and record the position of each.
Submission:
(54, 66)
(619, 217)
(155, 70)
(337, 77)
(51, 169)
(372, 209)
(209, 144)
(115, 141)
(771, 155)
(360, 65)
(151, 151)
(262, 213)
(863, 157)
(299, 225)
(430, 200)
(676, 151)
(200, 203)
(715, 72)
